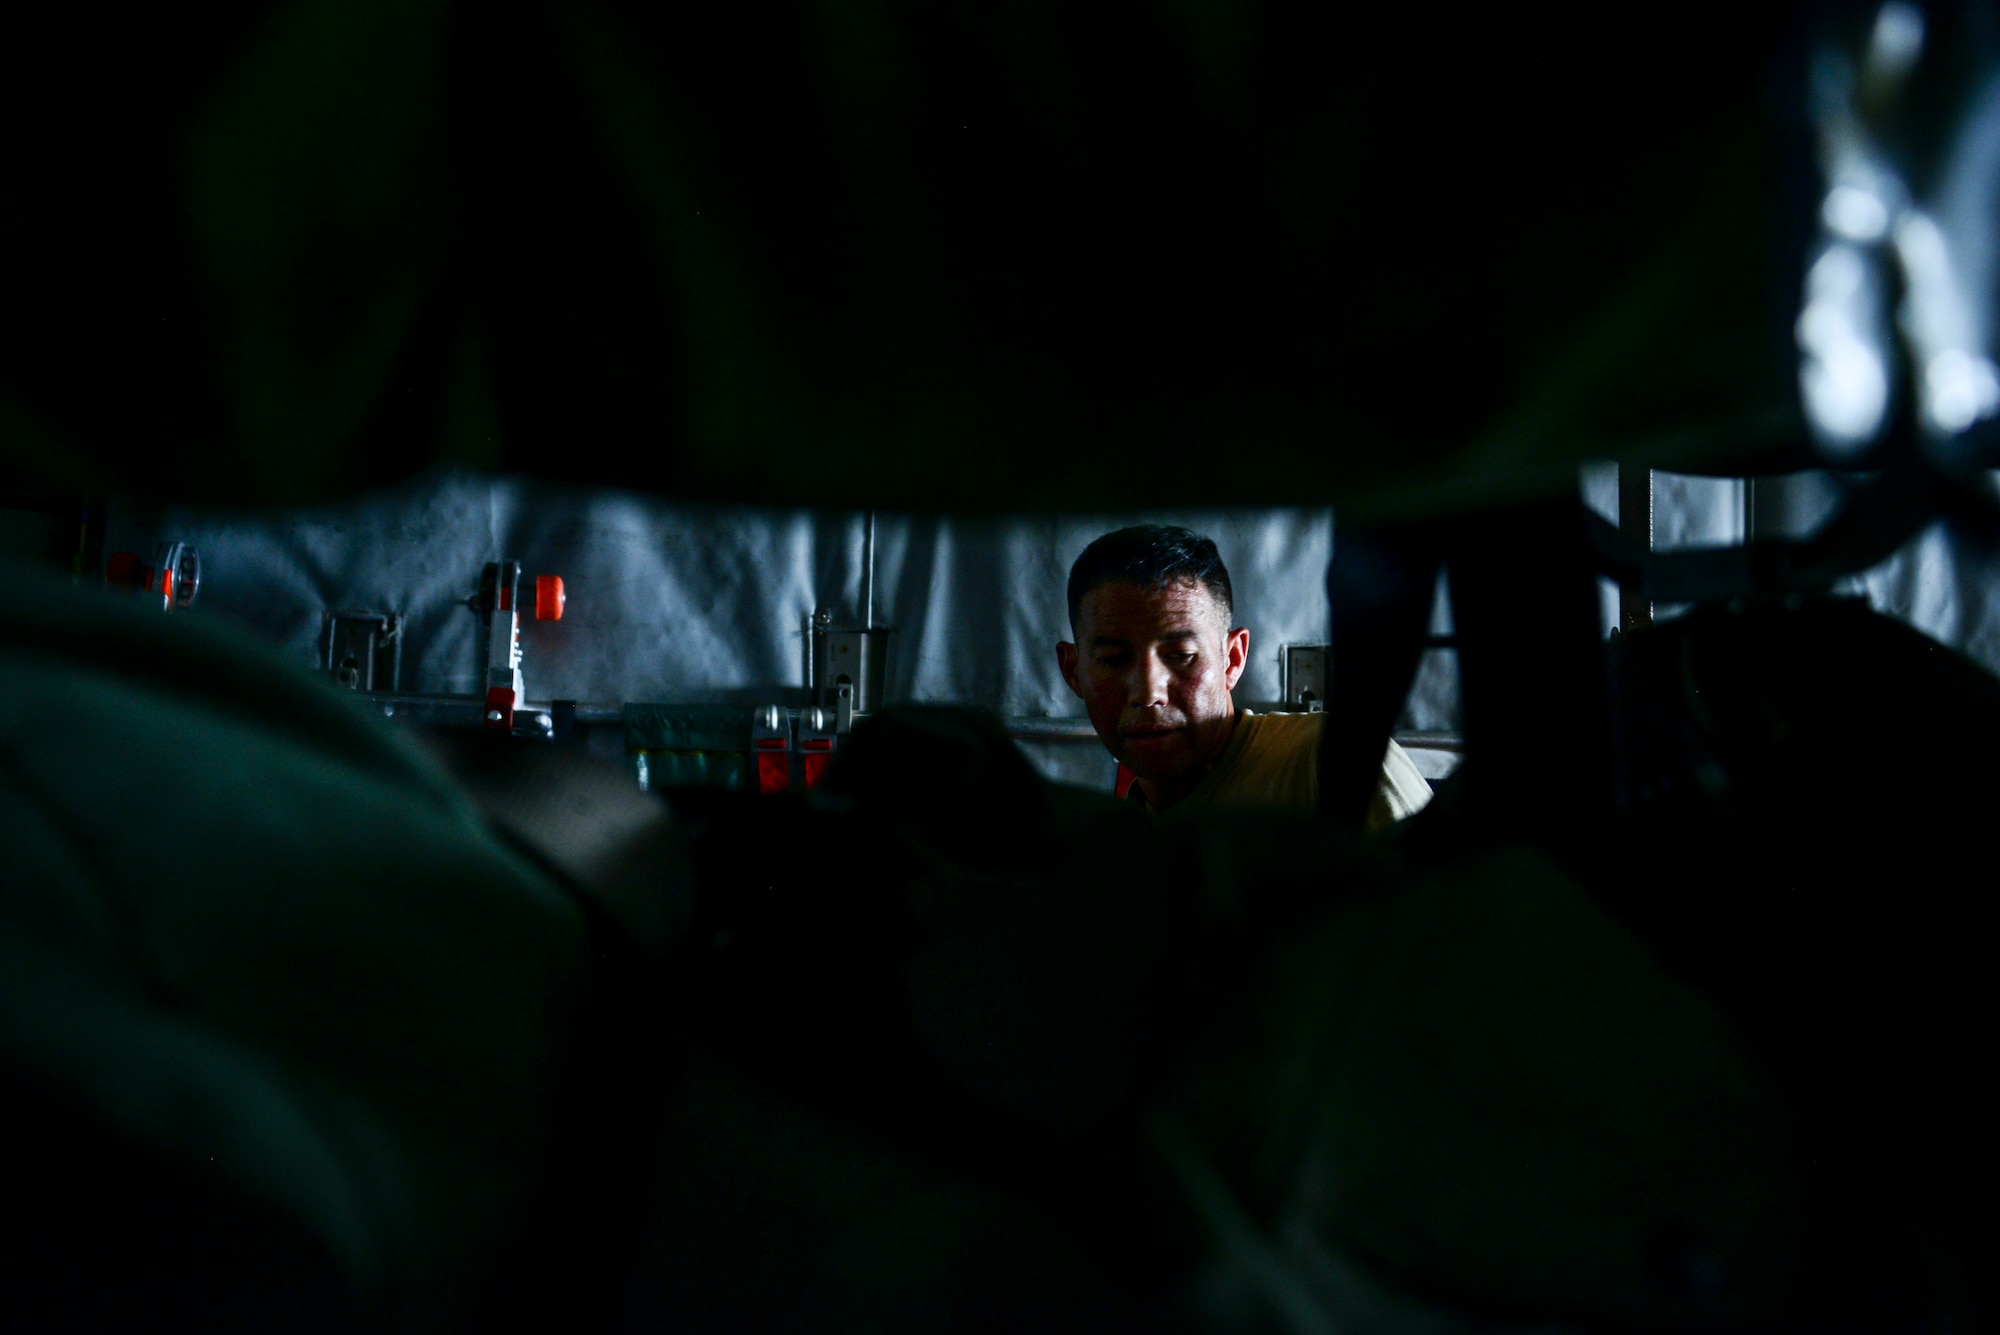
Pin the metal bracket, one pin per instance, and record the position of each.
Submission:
(1305, 678)
(850, 671)
(362, 650)
(498, 604)
(500, 608)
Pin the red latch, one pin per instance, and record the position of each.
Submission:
(506, 599)
(500, 707)
(772, 775)
(817, 751)
(549, 598)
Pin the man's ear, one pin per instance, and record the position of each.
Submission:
(1066, 661)
(1236, 653)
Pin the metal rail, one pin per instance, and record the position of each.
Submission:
(469, 711)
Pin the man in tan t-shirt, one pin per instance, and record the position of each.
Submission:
(1155, 658)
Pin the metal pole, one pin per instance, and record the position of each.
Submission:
(868, 573)
(811, 629)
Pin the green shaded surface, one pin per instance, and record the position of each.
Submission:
(246, 936)
(687, 727)
(729, 770)
(691, 746)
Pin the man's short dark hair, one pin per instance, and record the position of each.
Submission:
(1151, 556)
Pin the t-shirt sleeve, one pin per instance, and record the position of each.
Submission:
(1401, 793)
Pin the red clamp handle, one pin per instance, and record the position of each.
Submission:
(549, 598)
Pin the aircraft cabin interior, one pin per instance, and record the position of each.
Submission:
(1232, 667)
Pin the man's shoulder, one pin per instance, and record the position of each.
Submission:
(1277, 765)
(1273, 734)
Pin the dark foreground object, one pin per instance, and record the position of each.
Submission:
(307, 1040)
(270, 253)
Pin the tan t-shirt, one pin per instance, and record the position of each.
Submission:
(1272, 762)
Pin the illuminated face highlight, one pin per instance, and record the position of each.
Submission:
(1154, 668)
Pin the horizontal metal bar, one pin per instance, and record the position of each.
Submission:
(470, 710)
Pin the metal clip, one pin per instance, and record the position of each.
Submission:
(363, 650)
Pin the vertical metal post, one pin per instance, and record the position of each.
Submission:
(868, 573)
(500, 603)
(811, 622)
(1635, 519)
(848, 672)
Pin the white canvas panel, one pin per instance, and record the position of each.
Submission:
(696, 604)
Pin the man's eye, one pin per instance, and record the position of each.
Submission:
(1179, 660)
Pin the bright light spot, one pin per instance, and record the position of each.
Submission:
(1855, 213)
(1958, 385)
(1897, 41)
(1960, 389)
(1921, 246)
(1846, 390)
(1934, 313)
(1824, 325)
(1836, 276)
(1844, 378)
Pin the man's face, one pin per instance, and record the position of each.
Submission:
(1154, 668)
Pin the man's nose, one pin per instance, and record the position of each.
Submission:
(1146, 684)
